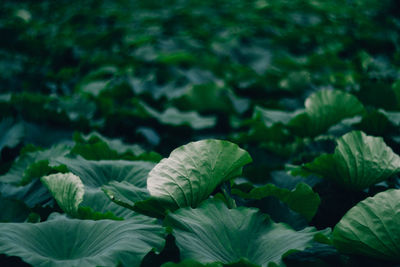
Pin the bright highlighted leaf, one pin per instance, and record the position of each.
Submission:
(95, 174)
(191, 172)
(67, 189)
(324, 109)
(358, 162)
(213, 233)
(71, 242)
(371, 228)
(302, 199)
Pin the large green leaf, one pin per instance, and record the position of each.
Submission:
(359, 161)
(67, 189)
(324, 109)
(193, 171)
(214, 233)
(95, 174)
(371, 228)
(302, 199)
(71, 242)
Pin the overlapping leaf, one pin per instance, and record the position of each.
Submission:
(359, 161)
(302, 199)
(71, 242)
(67, 189)
(213, 233)
(371, 228)
(324, 109)
(193, 171)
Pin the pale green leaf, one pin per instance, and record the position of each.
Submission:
(67, 189)
(193, 171)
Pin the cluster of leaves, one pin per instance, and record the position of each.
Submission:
(282, 117)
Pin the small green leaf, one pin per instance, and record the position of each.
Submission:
(67, 189)
(302, 199)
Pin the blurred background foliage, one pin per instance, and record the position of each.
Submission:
(133, 80)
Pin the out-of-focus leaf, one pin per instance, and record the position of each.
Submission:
(32, 165)
(11, 134)
(302, 199)
(98, 147)
(13, 210)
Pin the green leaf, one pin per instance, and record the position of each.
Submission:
(358, 162)
(371, 228)
(10, 134)
(211, 97)
(96, 174)
(135, 198)
(193, 171)
(13, 210)
(71, 242)
(95, 146)
(212, 233)
(96, 205)
(25, 162)
(324, 109)
(175, 117)
(190, 263)
(31, 194)
(302, 199)
(67, 189)
(270, 117)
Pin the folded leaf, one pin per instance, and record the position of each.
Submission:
(95, 174)
(71, 242)
(193, 171)
(212, 233)
(67, 189)
(324, 109)
(371, 228)
(358, 162)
